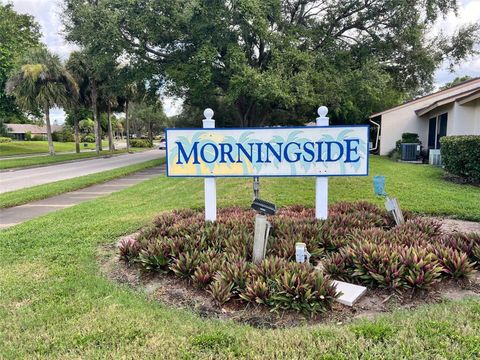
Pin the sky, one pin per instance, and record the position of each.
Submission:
(48, 12)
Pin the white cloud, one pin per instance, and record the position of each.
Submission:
(468, 13)
(172, 106)
(47, 14)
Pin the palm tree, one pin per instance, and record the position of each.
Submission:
(42, 82)
(82, 69)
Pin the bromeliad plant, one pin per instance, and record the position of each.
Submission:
(359, 243)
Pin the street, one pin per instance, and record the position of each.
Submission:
(19, 179)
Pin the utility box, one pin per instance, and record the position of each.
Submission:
(410, 151)
(435, 157)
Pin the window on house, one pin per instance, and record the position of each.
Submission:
(437, 128)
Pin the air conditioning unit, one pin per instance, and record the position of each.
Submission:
(410, 151)
(434, 157)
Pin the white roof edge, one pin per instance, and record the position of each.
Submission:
(438, 93)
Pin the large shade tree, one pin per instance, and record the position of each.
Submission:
(42, 82)
(261, 61)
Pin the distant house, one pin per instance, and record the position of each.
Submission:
(19, 131)
(453, 111)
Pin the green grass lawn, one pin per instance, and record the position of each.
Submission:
(37, 147)
(48, 160)
(54, 302)
(23, 196)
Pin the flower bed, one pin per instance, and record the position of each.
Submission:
(358, 243)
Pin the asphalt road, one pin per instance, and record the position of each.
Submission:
(18, 214)
(19, 179)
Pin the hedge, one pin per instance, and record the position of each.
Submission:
(140, 143)
(461, 155)
(5, 139)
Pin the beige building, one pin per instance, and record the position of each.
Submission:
(453, 111)
(19, 131)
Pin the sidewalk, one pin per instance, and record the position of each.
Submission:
(19, 214)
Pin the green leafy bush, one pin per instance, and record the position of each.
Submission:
(461, 156)
(129, 249)
(4, 139)
(88, 138)
(65, 135)
(140, 143)
(358, 243)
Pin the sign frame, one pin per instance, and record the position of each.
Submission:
(266, 128)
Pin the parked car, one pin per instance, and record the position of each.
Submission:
(163, 145)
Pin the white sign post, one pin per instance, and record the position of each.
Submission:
(321, 186)
(210, 184)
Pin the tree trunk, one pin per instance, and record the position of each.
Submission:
(95, 117)
(51, 149)
(77, 136)
(111, 146)
(99, 129)
(150, 132)
(127, 126)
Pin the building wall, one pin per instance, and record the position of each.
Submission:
(403, 118)
(467, 119)
(477, 118)
(395, 123)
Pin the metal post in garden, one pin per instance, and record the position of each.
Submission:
(321, 186)
(210, 184)
(256, 187)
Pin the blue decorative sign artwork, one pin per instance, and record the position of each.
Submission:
(278, 151)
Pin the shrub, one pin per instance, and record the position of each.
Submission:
(140, 143)
(88, 138)
(421, 267)
(461, 156)
(186, 263)
(455, 263)
(65, 135)
(38, 138)
(129, 249)
(301, 289)
(358, 243)
(28, 136)
(4, 139)
(221, 291)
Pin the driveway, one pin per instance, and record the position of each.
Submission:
(19, 179)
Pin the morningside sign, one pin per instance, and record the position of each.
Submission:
(319, 151)
(274, 151)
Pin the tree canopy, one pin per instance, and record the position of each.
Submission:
(259, 62)
(456, 81)
(18, 34)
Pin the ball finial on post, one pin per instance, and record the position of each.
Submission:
(322, 111)
(208, 113)
(210, 184)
